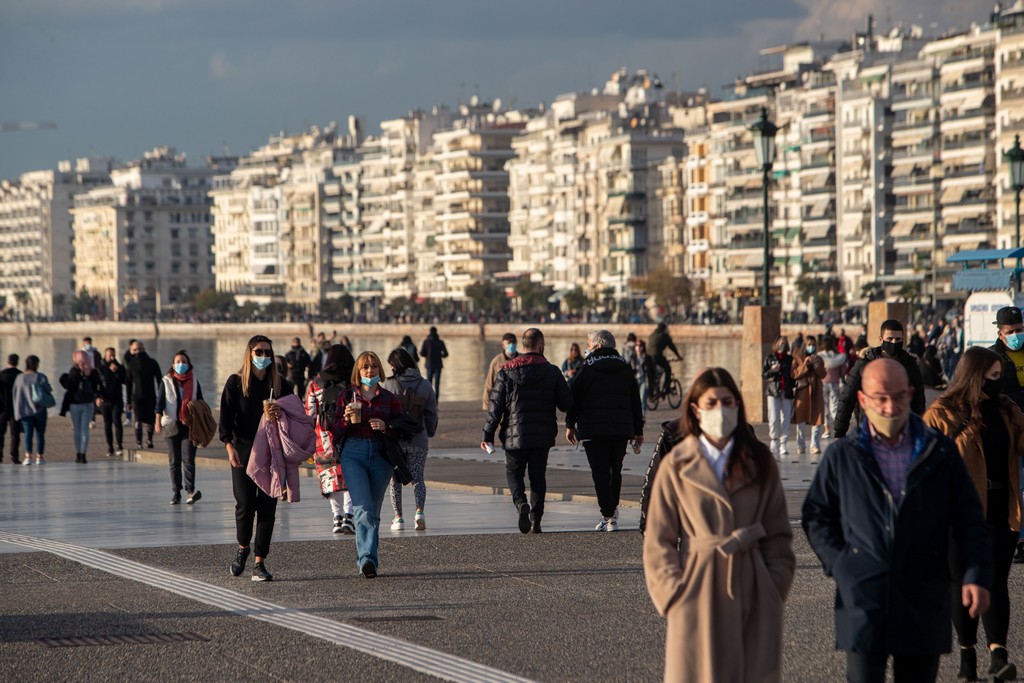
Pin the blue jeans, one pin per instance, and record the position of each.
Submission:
(367, 474)
(81, 416)
(434, 380)
(34, 424)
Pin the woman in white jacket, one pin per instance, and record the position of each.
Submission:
(835, 363)
(179, 389)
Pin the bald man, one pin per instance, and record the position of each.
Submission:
(878, 515)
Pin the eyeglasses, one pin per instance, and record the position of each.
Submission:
(884, 399)
(269, 353)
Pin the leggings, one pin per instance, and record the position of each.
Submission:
(417, 459)
(997, 618)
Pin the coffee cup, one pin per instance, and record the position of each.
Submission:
(266, 407)
(357, 411)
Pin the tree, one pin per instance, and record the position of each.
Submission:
(667, 288)
(871, 290)
(487, 296)
(80, 305)
(532, 295)
(575, 300)
(806, 289)
(212, 300)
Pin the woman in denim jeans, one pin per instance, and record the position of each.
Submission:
(361, 427)
(31, 416)
(81, 396)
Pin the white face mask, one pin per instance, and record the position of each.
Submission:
(718, 423)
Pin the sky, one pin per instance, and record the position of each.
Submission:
(120, 77)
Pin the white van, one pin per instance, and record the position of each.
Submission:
(992, 287)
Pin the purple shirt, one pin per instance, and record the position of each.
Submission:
(894, 461)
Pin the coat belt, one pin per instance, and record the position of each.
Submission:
(739, 541)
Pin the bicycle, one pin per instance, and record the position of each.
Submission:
(675, 390)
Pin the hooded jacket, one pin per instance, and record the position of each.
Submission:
(522, 404)
(890, 561)
(413, 380)
(280, 447)
(848, 406)
(605, 398)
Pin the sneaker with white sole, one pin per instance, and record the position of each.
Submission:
(602, 525)
(193, 497)
(339, 522)
(348, 525)
(421, 522)
(398, 524)
(40, 460)
(27, 461)
(612, 524)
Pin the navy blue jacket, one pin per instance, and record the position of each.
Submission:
(605, 398)
(890, 563)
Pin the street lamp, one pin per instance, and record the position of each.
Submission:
(1015, 157)
(764, 146)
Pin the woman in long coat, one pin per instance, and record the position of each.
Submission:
(809, 395)
(718, 554)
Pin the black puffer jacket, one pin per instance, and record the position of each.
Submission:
(671, 434)
(605, 398)
(849, 408)
(780, 381)
(890, 562)
(1011, 385)
(523, 402)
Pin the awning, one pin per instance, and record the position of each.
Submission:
(820, 207)
(753, 182)
(953, 195)
(817, 232)
(615, 205)
(902, 228)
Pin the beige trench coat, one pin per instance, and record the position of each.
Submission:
(809, 399)
(723, 585)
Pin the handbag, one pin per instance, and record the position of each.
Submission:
(41, 395)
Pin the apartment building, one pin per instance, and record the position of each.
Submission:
(37, 260)
(143, 242)
(1009, 104)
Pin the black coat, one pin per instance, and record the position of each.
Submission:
(667, 440)
(1011, 385)
(433, 350)
(112, 382)
(891, 563)
(142, 377)
(523, 402)
(7, 377)
(780, 382)
(849, 408)
(298, 360)
(605, 398)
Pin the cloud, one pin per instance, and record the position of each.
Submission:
(221, 69)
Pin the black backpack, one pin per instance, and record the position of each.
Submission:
(329, 395)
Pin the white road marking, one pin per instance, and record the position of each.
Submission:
(425, 660)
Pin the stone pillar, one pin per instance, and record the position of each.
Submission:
(761, 327)
(880, 311)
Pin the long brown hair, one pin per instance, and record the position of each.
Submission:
(748, 454)
(963, 396)
(246, 371)
(359, 366)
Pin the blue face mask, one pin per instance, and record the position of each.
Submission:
(181, 368)
(1015, 341)
(370, 381)
(261, 363)
(510, 349)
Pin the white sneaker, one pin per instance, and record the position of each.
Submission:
(338, 521)
(612, 524)
(398, 524)
(602, 525)
(27, 461)
(421, 522)
(40, 460)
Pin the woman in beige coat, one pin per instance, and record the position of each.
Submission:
(809, 398)
(718, 554)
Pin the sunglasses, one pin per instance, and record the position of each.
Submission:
(269, 353)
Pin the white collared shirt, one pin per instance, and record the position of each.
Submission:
(718, 459)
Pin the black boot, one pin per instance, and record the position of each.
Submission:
(78, 457)
(968, 665)
(1002, 669)
(535, 529)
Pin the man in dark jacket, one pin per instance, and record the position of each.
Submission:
(526, 393)
(1010, 347)
(141, 381)
(318, 359)
(879, 514)
(660, 340)
(112, 379)
(433, 352)
(891, 337)
(7, 420)
(298, 362)
(604, 415)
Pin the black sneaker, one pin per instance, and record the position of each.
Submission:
(149, 444)
(339, 521)
(1018, 555)
(348, 526)
(238, 566)
(260, 573)
(368, 571)
(193, 497)
(524, 518)
(968, 664)
(536, 527)
(176, 499)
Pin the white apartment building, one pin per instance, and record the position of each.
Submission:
(1009, 104)
(143, 243)
(37, 263)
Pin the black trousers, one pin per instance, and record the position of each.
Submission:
(605, 456)
(662, 362)
(870, 668)
(181, 454)
(8, 423)
(112, 425)
(518, 463)
(997, 618)
(150, 426)
(251, 506)
(299, 384)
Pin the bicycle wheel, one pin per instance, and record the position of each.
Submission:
(652, 400)
(675, 394)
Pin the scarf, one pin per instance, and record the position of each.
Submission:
(185, 381)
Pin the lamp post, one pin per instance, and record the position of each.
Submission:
(1015, 157)
(764, 146)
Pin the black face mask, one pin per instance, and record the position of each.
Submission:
(993, 388)
(892, 348)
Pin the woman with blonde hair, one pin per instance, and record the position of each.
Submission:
(718, 554)
(360, 430)
(988, 429)
(248, 395)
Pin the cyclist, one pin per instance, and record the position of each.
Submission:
(660, 340)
